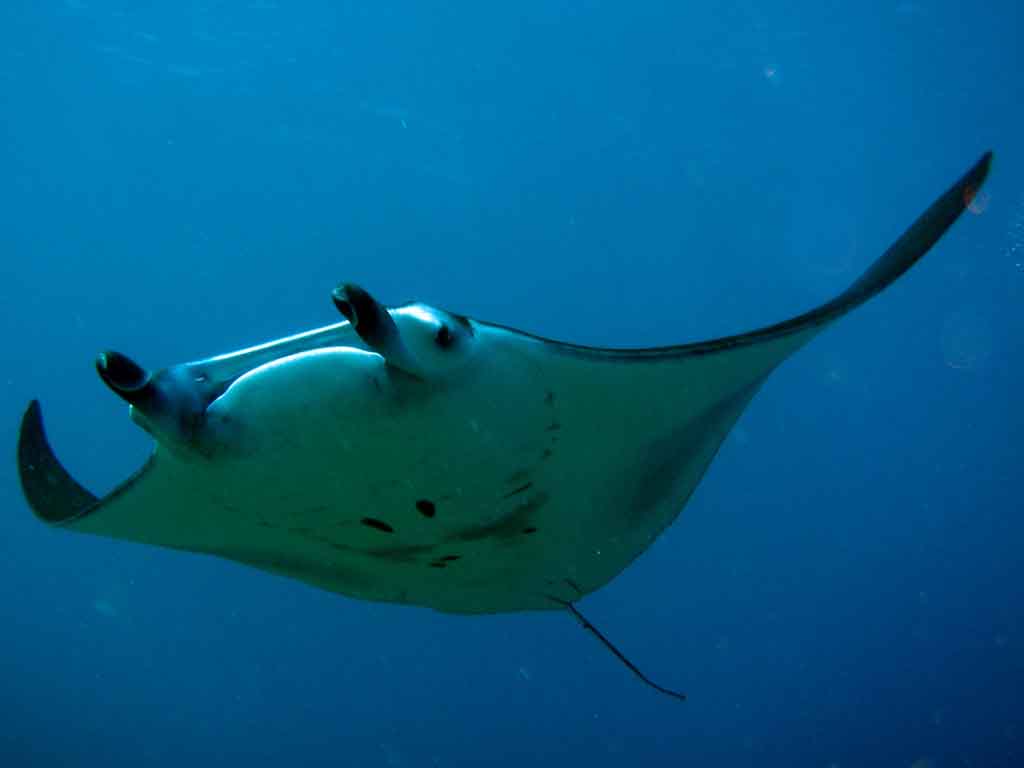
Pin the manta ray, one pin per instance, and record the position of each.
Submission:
(417, 456)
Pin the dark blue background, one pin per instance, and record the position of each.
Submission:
(846, 587)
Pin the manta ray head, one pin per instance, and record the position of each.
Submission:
(417, 354)
(212, 407)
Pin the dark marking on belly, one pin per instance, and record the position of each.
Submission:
(520, 489)
(529, 529)
(549, 398)
(426, 507)
(509, 526)
(406, 554)
(379, 525)
(518, 477)
(442, 562)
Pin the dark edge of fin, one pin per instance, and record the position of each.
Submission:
(585, 623)
(54, 496)
(914, 243)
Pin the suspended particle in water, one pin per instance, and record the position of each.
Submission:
(829, 248)
(1015, 234)
(392, 757)
(967, 340)
(105, 608)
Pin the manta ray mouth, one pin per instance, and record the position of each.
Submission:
(121, 373)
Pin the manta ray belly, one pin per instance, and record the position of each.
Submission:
(298, 400)
(339, 472)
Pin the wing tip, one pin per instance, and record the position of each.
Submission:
(975, 177)
(53, 495)
(915, 241)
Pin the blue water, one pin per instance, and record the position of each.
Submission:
(846, 587)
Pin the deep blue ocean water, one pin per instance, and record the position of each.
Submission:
(845, 588)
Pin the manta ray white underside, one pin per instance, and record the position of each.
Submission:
(415, 456)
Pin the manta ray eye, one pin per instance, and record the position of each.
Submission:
(444, 337)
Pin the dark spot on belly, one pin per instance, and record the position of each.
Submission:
(380, 525)
(450, 558)
(426, 508)
(529, 529)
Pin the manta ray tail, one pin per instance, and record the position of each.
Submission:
(585, 623)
